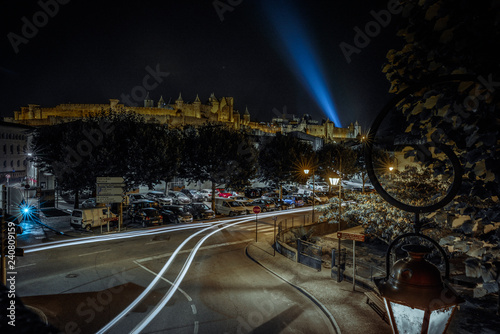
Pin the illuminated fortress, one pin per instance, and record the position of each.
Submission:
(180, 114)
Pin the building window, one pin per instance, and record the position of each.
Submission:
(12, 163)
(4, 163)
(11, 149)
(18, 163)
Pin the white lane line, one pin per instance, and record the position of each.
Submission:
(153, 313)
(196, 326)
(103, 251)
(166, 280)
(193, 307)
(146, 259)
(26, 265)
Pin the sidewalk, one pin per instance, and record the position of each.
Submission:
(349, 308)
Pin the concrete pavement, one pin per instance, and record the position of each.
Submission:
(348, 308)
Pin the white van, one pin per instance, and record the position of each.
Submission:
(229, 207)
(92, 217)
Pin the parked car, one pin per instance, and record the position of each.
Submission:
(284, 204)
(272, 195)
(159, 197)
(253, 192)
(179, 198)
(229, 207)
(183, 215)
(264, 204)
(322, 197)
(91, 217)
(206, 192)
(89, 203)
(139, 204)
(195, 195)
(296, 199)
(147, 217)
(223, 193)
(136, 197)
(200, 211)
(169, 217)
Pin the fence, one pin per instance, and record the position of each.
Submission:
(309, 254)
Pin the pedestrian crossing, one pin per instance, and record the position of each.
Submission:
(261, 228)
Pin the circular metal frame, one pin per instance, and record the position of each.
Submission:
(457, 167)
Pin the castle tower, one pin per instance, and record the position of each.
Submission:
(197, 107)
(236, 119)
(148, 103)
(161, 102)
(246, 116)
(357, 129)
(179, 103)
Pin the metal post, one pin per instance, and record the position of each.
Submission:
(314, 197)
(120, 219)
(338, 265)
(274, 244)
(4, 236)
(353, 265)
(256, 227)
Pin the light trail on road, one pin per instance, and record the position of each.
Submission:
(173, 288)
(135, 234)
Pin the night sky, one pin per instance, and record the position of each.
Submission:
(90, 51)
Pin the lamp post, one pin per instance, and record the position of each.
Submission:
(306, 171)
(336, 180)
(417, 298)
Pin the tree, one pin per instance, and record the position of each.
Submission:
(107, 144)
(444, 37)
(213, 152)
(337, 159)
(284, 158)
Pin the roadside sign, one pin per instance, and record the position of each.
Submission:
(110, 185)
(354, 237)
(110, 179)
(351, 236)
(256, 209)
(109, 199)
(106, 191)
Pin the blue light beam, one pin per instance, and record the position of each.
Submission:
(300, 54)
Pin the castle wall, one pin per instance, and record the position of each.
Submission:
(181, 114)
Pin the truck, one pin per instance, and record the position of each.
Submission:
(92, 217)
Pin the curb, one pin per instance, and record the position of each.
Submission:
(335, 327)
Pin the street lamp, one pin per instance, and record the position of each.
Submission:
(306, 171)
(416, 298)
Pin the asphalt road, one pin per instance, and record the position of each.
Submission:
(191, 278)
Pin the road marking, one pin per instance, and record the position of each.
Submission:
(193, 307)
(26, 265)
(146, 259)
(196, 326)
(155, 242)
(166, 280)
(103, 251)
